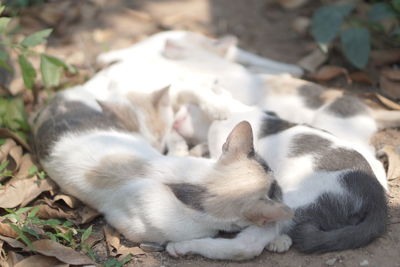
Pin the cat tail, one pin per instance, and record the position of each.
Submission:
(386, 118)
(337, 222)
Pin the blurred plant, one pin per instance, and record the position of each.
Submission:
(357, 31)
(23, 3)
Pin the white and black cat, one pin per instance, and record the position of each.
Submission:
(329, 183)
(100, 153)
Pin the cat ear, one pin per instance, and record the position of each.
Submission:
(161, 98)
(268, 211)
(173, 50)
(239, 141)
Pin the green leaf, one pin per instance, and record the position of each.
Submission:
(86, 234)
(61, 63)
(22, 210)
(380, 11)
(2, 141)
(32, 170)
(3, 24)
(36, 38)
(51, 73)
(52, 236)
(12, 112)
(30, 231)
(327, 20)
(356, 46)
(28, 72)
(33, 212)
(52, 222)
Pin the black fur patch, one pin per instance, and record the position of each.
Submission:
(255, 156)
(69, 116)
(347, 106)
(303, 144)
(275, 191)
(338, 222)
(311, 96)
(273, 125)
(190, 194)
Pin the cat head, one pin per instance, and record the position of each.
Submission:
(244, 187)
(149, 114)
(192, 124)
(191, 43)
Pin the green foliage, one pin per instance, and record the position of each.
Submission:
(356, 33)
(116, 263)
(51, 67)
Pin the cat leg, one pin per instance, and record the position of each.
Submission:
(260, 64)
(177, 145)
(281, 244)
(246, 245)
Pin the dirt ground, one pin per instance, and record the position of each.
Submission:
(84, 30)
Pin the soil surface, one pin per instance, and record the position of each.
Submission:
(85, 28)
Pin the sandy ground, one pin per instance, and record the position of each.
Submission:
(85, 29)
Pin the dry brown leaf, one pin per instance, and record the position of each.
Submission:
(25, 166)
(40, 261)
(68, 200)
(393, 156)
(85, 215)
(388, 103)
(361, 77)
(6, 230)
(301, 24)
(5, 149)
(47, 212)
(65, 254)
(16, 155)
(112, 239)
(313, 60)
(385, 57)
(390, 82)
(14, 258)
(12, 242)
(6, 133)
(22, 191)
(130, 250)
(328, 72)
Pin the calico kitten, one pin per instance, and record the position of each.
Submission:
(330, 184)
(97, 152)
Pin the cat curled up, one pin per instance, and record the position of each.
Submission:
(96, 152)
(331, 184)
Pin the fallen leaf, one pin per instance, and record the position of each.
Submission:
(385, 57)
(328, 72)
(301, 24)
(65, 254)
(85, 215)
(123, 250)
(25, 165)
(15, 154)
(388, 103)
(12, 242)
(68, 200)
(5, 148)
(22, 191)
(393, 156)
(6, 133)
(6, 230)
(390, 82)
(313, 60)
(40, 261)
(112, 239)
(47, 212)
(361, 77)
(14, 258)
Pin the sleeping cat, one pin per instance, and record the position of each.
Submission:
(329, 183)
(99, 152)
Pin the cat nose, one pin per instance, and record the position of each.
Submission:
(178, 122)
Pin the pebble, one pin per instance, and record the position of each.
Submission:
(331, 262)
(151, 247)
(364, 263)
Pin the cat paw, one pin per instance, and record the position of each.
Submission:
(177, 249)
(280, 244)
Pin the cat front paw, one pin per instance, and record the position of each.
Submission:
(177, 249)
(280, 244)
